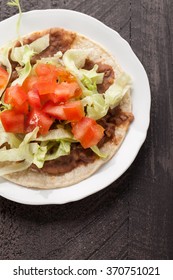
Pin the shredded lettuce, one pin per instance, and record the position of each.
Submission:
(96, 106)
(64, 148)
(91, 86)
(40, 44)
(33, 149)
(39, 156)
(59, 150)
(84, 88)
(7, 137)
(23, 55)
(117, 90)
(30, 136)
(54, 60)
(4, 60)
(56, 135)
(16, 154)
(23, 73)
(58, 141)
(22, 155)
(19, 158)
(10, 138)
(92, 76)
(74, 59)
(14, 167)
(96, 150)
(1, 128)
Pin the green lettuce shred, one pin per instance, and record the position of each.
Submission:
(40, 44)
(39, 156)
(96, 150)
(23, 73)
(117, 90)
(23, 55)
(74, 60)
(14, 167)
(92, 75)
(62, 149)
(33, 149)
(17, 154)
(10, 138)
(54, 60)
(91, 86)
(96, 106)
(56, 135)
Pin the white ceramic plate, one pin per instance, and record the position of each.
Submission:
(115, 44)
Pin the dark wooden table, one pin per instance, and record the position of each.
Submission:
(132, 218)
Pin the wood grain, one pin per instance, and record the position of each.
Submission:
(132, 218)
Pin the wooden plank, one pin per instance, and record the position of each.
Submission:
(86, 229)
(151, 199)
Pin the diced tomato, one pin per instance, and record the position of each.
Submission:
(45, 85)
(54, 110)
(45, 98)
(7, 96)
(45, 123)
(62, 72)
(15, 95)
(29, 83)
(3, 77)
(52, 97)
(37, 118)
(88, 132)
(74, 111)
(34, 98)
(65, 91)
(22, 108)
(64, 76)
(78, 92)
(62, 93)
(59, 73)
(12, 121)
(45, 81)
(42, 69)
(71, 111)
